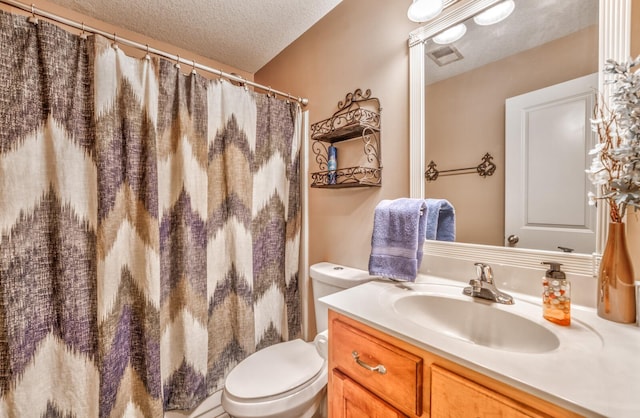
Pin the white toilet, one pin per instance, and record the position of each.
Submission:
(288, 380)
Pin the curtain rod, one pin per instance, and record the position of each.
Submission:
(113, 36)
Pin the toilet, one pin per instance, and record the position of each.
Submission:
(289, 379)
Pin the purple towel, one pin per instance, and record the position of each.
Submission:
(441, 220)
(399, 228)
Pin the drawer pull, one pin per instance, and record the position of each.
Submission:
(379, 368)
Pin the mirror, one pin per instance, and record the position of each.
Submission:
(613, 43)
(540, 44)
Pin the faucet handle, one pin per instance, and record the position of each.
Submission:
(488, 273)
(484, 272)
(476, 286)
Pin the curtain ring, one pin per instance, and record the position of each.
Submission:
(115, 41)
(288, 98)
(242, 81)
(177, 65)
(83, 34)
(147, 56)
(193, 69)
(33, 19)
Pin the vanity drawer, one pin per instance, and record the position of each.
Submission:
(399, 384)
(453, 395)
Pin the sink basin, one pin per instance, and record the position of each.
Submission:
(476, 321)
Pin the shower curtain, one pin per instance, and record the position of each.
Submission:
(149, 227)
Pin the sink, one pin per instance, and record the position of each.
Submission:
(476, 321)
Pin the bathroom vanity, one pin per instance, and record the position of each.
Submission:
(387, 360)
(415, 382)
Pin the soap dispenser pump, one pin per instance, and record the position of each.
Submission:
(556, 295)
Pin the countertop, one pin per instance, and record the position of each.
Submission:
(594, 376)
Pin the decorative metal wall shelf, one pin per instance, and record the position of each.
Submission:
(484, 169)
(348, 177)
(357, 117)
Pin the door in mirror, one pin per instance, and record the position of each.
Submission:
(548, 137)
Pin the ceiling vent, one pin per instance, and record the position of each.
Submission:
(445, 55)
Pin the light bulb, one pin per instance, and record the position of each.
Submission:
(495, 14)
(423, 10)
(450, 35)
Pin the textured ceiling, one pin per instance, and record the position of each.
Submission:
(532, 23)
(245, 34)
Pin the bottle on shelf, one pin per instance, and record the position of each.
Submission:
(332, 164)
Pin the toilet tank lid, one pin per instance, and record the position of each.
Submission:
(340, 276)
(274, 370)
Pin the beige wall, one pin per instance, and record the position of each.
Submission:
(453, 141)
(360, 44)
(131, 35)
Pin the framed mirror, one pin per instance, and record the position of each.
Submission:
(606, 27)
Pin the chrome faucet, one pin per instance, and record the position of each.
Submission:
(483, 286)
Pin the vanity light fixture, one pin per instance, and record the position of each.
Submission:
(450, 35)
(497, 13)
(423, 10)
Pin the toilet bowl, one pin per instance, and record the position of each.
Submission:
(286, 379)
(289, 379)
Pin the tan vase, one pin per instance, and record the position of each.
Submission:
(616, 292)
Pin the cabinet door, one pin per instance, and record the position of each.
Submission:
(350, 400)
(454, 396)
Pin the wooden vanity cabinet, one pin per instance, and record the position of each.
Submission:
(454, 396)
(372, 374)
(354, 401)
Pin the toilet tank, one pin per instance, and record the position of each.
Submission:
(328, 278)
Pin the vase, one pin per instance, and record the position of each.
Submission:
(616, 292)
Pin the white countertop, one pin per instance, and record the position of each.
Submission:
(595, 371)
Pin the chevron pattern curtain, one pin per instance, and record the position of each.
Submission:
(149, 228)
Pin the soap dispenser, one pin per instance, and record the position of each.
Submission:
(556, 295)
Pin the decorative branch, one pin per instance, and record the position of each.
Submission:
(615, 168)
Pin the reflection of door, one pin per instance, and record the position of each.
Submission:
(548, 136)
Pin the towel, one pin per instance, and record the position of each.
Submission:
(441, 220)
(399, 228)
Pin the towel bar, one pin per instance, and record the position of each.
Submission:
(484, 169)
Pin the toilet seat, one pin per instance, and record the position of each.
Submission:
(275, 380)
(274, 371)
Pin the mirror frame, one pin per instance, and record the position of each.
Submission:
(614, 28)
